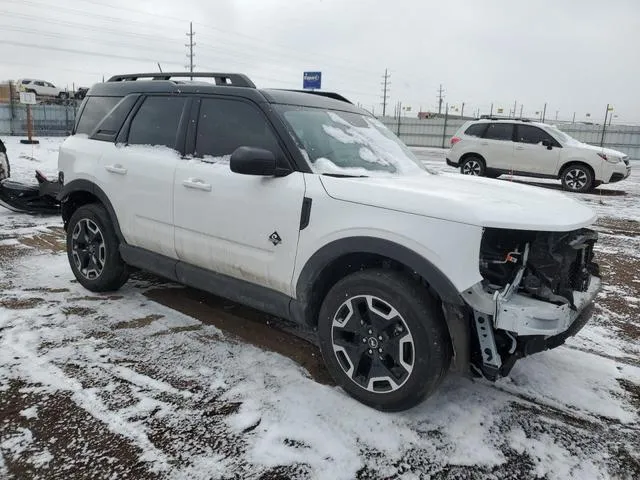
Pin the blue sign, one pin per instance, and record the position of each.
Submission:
(311, 79)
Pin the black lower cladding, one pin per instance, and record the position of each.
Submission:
(616, 177)
(558, 263)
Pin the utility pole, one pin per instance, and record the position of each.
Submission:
(604, 125)
(491, 112)
(544, 112)
(191, 44)
(462, 111)
(385, 91)
(521, 108)
(574, 118)
(556, 115)
(515, 105)
(440, 97)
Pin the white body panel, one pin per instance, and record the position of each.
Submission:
(137, 180)
(450, 246)
(224, 220)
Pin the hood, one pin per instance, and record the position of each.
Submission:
(465, 199)
(606, 151)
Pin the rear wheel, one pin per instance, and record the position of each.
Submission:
(473, 165)
(383, 339)
(93, 250)
(577, 178)
(5, 168)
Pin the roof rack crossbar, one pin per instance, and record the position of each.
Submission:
(233, 79)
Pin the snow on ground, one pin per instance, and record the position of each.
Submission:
(105, 386)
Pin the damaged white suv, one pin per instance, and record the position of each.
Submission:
(303, 206)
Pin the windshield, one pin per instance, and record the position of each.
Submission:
(344, 143)
(563, 137)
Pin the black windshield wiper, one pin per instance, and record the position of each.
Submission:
(344, 175)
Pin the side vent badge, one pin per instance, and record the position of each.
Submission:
(275, 238)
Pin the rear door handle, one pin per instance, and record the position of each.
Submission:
(119, 169)
(197, 184)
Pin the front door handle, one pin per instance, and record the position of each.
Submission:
(197, 184)
(119, 169)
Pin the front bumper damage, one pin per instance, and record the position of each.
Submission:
(545, 297)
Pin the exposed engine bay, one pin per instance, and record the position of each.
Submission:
(538, 289)
(555, 263)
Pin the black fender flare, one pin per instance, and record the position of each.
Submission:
(371, 245)
(82, 185)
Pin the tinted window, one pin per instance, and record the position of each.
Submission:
(157, 121)
(26, 82)
(225, 125)
(40, 84)
(499, 131)
(110, 126)
(534, 135)
(94, 111)
(476, 130)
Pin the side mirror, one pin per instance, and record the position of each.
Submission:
(547, 143)
(253, 161)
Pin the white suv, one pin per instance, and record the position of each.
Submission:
(41, 88)
(491, 147)
(301, 205)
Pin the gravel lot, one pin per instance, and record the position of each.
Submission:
(161, 381)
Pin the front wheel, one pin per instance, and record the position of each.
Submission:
(93, 250)
(383, 339)
(577, 178)
(5, 168)
(473, 166)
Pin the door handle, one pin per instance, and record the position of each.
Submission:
(119, 169)
(519, 148)
(197, 184)
(484, 143)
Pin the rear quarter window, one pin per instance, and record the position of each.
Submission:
(476, 130)
(94, 111)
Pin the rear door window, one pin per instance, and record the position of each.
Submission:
(499, 131)
(94, 111)
(157, 121)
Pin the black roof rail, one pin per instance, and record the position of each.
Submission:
(233, 79)
(489, 117)
(335, 96)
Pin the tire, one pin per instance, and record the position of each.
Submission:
(473, 165)
(93, 250)
(381, 324)
(5, 168)
(577, 178)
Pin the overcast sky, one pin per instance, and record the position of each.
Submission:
(576, 55)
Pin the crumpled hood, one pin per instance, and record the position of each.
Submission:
(466, 199)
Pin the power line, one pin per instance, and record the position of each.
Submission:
(385, 91)
(191, 44)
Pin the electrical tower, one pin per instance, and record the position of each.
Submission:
(191, 44)
(385, 91)
(440, 98)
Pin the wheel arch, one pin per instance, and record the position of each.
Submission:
(472, 154)
(347, 255)
(582, 163)
(82, 192)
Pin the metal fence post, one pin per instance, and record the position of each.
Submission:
(12, 114)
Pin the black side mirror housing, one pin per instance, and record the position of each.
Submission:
(547, 143)
(253, 161)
